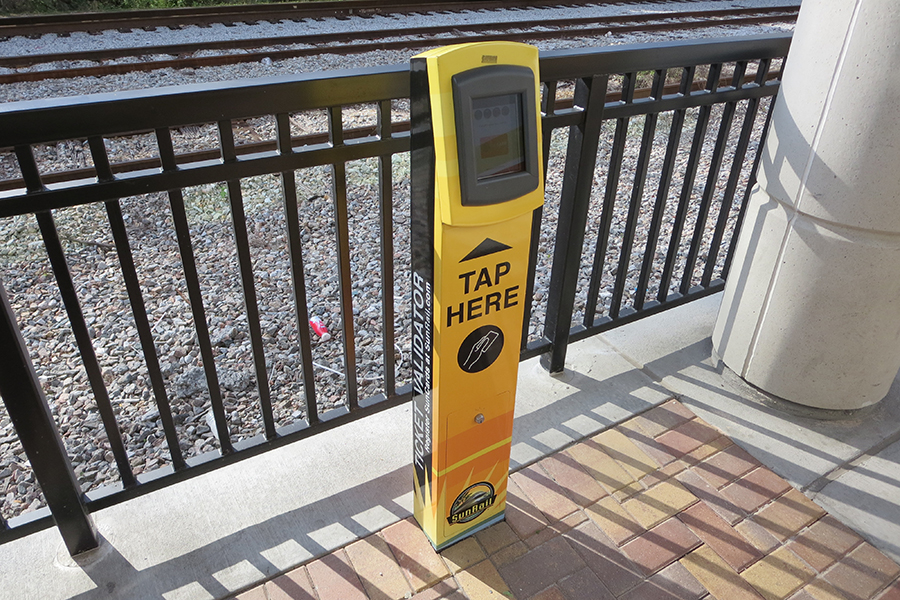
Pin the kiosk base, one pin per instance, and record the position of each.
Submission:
(460, 537)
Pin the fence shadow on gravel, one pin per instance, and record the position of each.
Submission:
(165, 250)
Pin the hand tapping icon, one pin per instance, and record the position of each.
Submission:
(479, 349)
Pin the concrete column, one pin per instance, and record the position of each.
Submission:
(811, 310)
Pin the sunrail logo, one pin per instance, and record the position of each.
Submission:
(473, 501)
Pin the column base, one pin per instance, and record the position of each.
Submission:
(811, 310)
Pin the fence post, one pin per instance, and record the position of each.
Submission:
(30, 415)
(578, 180)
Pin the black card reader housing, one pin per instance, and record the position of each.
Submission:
(496, 133)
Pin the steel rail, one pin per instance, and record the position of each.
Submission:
(296, 11)
(405, 44)
(375, 34)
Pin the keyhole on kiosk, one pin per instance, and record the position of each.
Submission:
(479, 418)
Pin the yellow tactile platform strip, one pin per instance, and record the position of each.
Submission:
(661, 507)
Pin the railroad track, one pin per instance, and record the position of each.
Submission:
(357, 42)
(254, 13)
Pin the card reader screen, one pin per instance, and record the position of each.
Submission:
(498, 134)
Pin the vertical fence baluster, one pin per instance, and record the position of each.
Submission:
(606, 213)
(609, 203)
(245, 265)
(548, 107)
(28, 410)
(637, 197)
(30, 414)
(687, 83)
(83, 340)
(342, 235)
(386, 207)
(248, 286)
(733, 177)
(298, 278)
(709, 189)
(712, 81)
(548, 99)
(136, 300)
(761, 74)
(753, 107)
(92, 368)
(662, 194)
(182, 230)
(185, 248)
(100, 159)
(176, 200)
(142, 323)
(578, 179)
(81, 335)
(195, 295)
(537, 216)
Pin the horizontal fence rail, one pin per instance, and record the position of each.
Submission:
(650, 153)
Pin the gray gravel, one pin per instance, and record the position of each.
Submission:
(94, 268)
(52, 43)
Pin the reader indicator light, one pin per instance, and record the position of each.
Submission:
(497, 127)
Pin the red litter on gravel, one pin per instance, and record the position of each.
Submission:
(319, 327)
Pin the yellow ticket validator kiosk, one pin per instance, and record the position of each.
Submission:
(476, 180)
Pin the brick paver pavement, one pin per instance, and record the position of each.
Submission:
(661, 507)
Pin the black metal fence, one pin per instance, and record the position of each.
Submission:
(647, 177)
